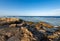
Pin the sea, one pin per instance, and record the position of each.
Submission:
(53, 20)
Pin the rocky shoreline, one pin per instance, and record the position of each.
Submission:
(14, 29)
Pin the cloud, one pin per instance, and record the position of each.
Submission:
(54, 12)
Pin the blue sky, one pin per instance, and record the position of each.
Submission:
(29, 7)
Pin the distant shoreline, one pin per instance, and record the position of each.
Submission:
(35, 16)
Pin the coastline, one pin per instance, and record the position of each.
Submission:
(13, 27)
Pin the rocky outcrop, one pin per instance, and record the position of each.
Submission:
(22, 34)
(9, 19)
(5, 21)
(20, 30)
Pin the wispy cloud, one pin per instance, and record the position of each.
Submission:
(54, 12)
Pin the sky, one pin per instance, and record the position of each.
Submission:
(29, 7)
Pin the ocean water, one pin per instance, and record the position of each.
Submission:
(53, 20)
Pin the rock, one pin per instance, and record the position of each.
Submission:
(30, 23)
(13, 38)
(58, 39)
(38, 26)
(9, 34)
(43, 31)
(2, 19)
(9, 19)
(2, 38)
(43, 25)
(5, 21)
(53, 36)
(21, 24)
(12, 25)
(9, 31)
(47, 25)
(58, 28)
(57, 32)
(25, 35)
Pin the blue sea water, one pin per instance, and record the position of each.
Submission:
(54, 20)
